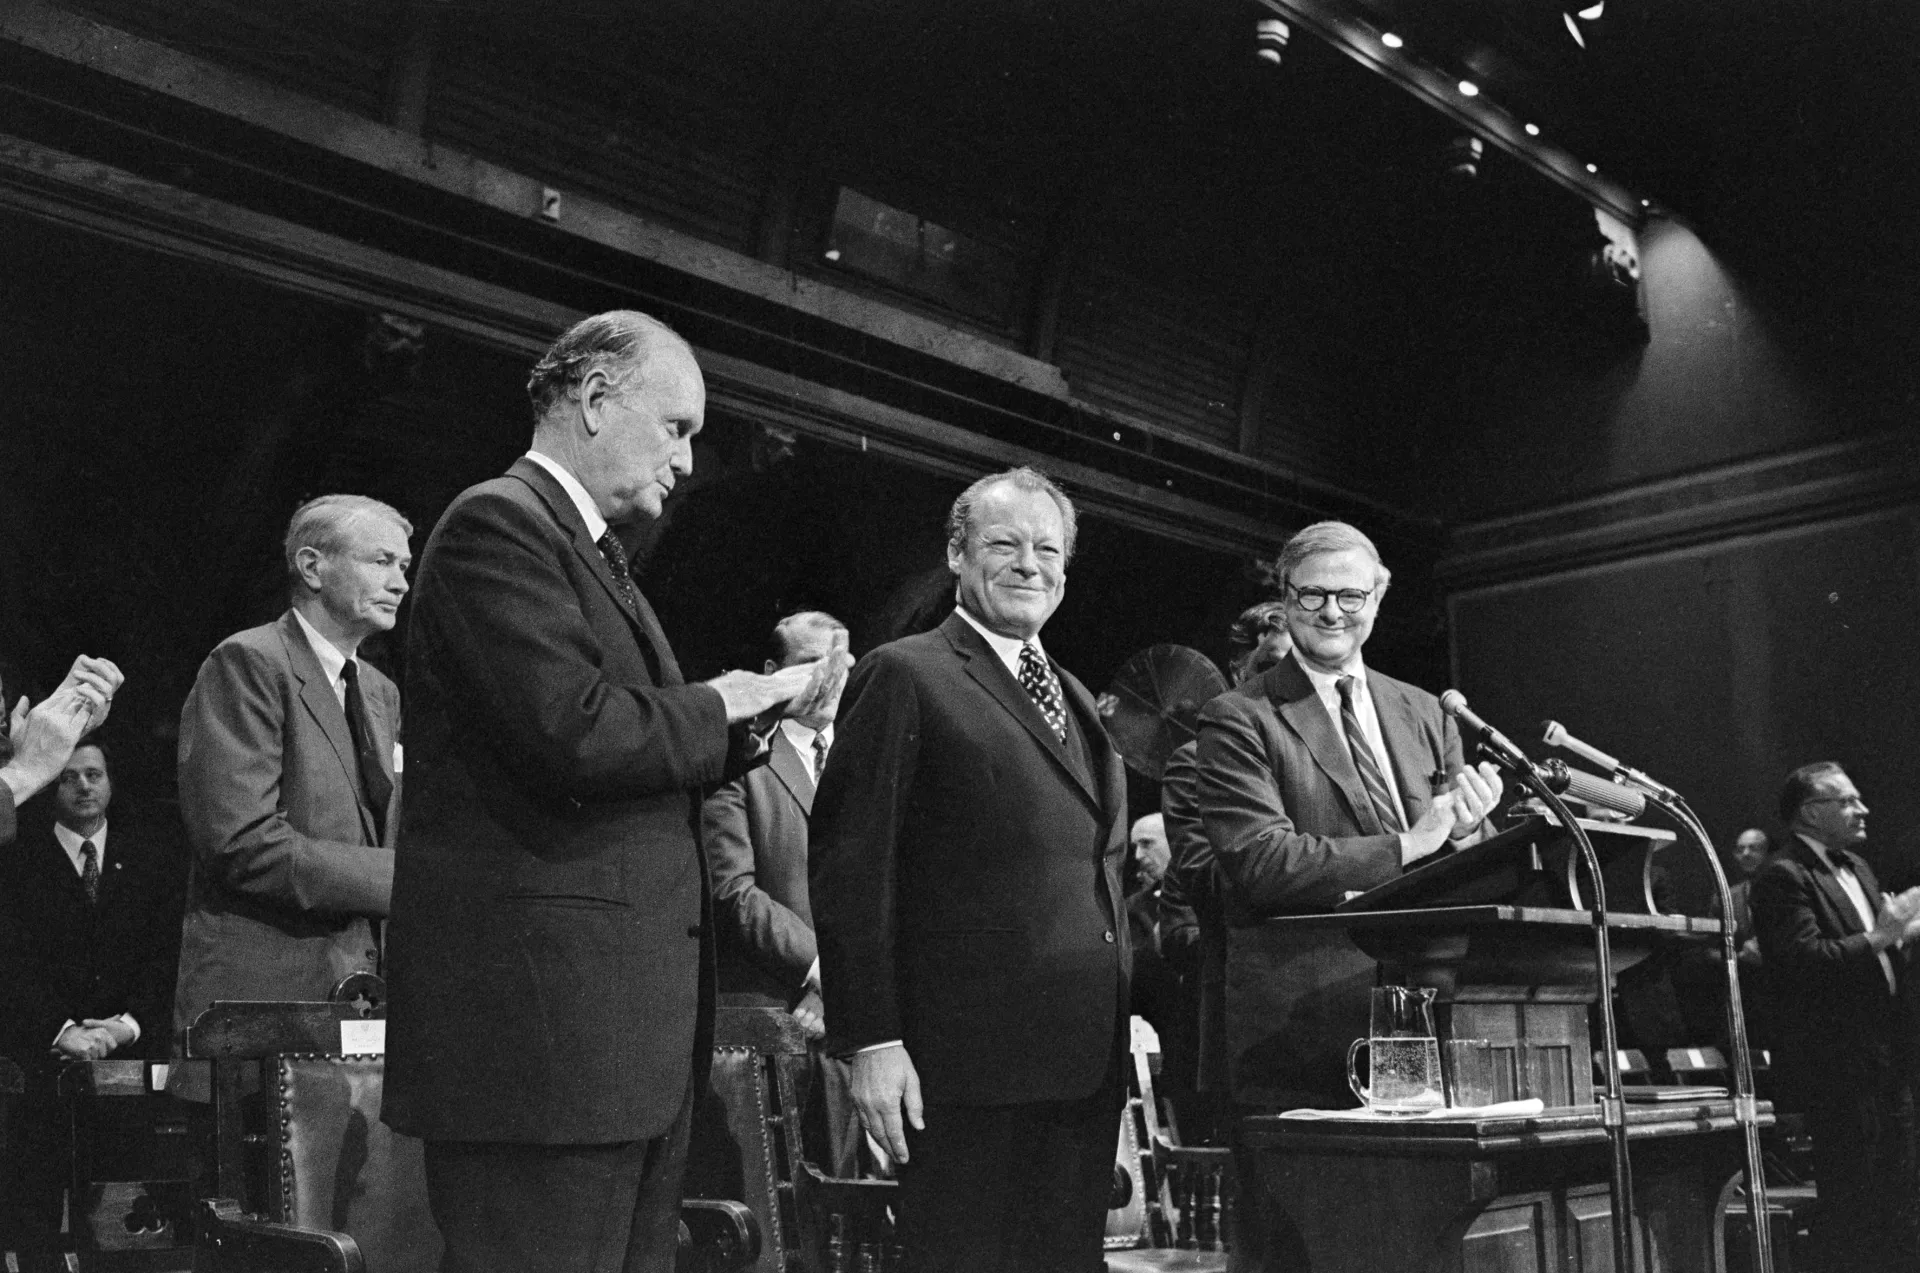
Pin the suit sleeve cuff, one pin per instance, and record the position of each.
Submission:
(875, 1047)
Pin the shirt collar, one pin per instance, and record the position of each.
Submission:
(1327, 684)
(1008, 648)
(802, 737)
(1825, 854)
(332, 662)
(70, 840)
(596, 524)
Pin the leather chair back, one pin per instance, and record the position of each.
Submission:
(337, 1166)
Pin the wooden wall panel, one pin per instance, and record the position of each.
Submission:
(635, 137)
(337, 53)
(1720, 667)
(1173, 355)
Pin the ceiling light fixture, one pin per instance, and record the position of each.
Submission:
(1391, 40)
(1533, 130)
(1469, 89)
(1270, 36)
(1593, 168)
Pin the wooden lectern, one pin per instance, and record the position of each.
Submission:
(1500, 930)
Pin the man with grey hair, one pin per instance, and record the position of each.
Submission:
(289, 750)
(551, 994)
(968, 840)
(1318, 779)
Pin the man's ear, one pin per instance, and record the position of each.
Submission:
(307, 562)
(595, 388)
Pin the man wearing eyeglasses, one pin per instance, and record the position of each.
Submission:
(1836, 950)
(1318, 779)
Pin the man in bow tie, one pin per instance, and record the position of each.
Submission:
(551, 985)
(968, 840)
(1837, 957)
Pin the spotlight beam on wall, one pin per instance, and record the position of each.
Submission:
(1339, 27)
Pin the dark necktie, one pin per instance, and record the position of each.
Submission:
(819, 757)
(1363, 759)
(90, 870)
(373, 777)
(617, 562)
(1043, 687)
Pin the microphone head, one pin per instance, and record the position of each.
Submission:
(1453, 702)
(1555, 732)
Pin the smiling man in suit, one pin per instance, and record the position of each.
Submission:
(968, 840)
(89, 926)
(1318, 779)
(551, 982)
(287, 751)
(1849, 1042)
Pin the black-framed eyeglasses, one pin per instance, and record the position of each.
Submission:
(1350, 600)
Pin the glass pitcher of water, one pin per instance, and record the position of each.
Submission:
(1403, 1054)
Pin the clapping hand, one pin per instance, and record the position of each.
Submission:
(802, 690)
(1476, 793)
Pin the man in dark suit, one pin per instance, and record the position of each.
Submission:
(1318, 779)
(89, 924)
(38, 740)
(1835, 951)
(968, 841)
(288, 755)
(1194, 926)
(551, 983)
(754, 831)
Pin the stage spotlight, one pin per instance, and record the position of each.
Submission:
(1270, 37)
(1462, 157)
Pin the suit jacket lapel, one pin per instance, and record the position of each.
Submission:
(646, 624)
(1400, 730)
(793, 770)
(316, 695)
(1829, 884)
(1300, 707)
(985, 667)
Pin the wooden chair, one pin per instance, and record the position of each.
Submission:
(749, 1144)
(1188, 1190)
(1698, 1066)
(305, 1176)
(1634, 1067)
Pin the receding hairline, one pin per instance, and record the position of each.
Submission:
(804, 621)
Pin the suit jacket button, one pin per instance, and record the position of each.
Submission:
(1109, 936)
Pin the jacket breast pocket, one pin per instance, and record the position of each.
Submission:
(580, 884)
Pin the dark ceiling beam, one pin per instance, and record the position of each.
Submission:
(67, 190)
(1344, 26)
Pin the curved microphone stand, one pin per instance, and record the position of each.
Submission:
(1613, 1104)
(1745, 1106)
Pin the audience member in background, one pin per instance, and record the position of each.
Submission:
(289, 746)
(1156, 980)
(89, 926)
(1751, 849)
(754, 830)
(1191, 890)
(1836, 955)
(39, 739)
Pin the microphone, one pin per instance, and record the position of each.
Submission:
(1596, 793)
(1454, 704)
(1557, 736)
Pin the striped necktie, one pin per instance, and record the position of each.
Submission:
(90, 870)
(1364, 760)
